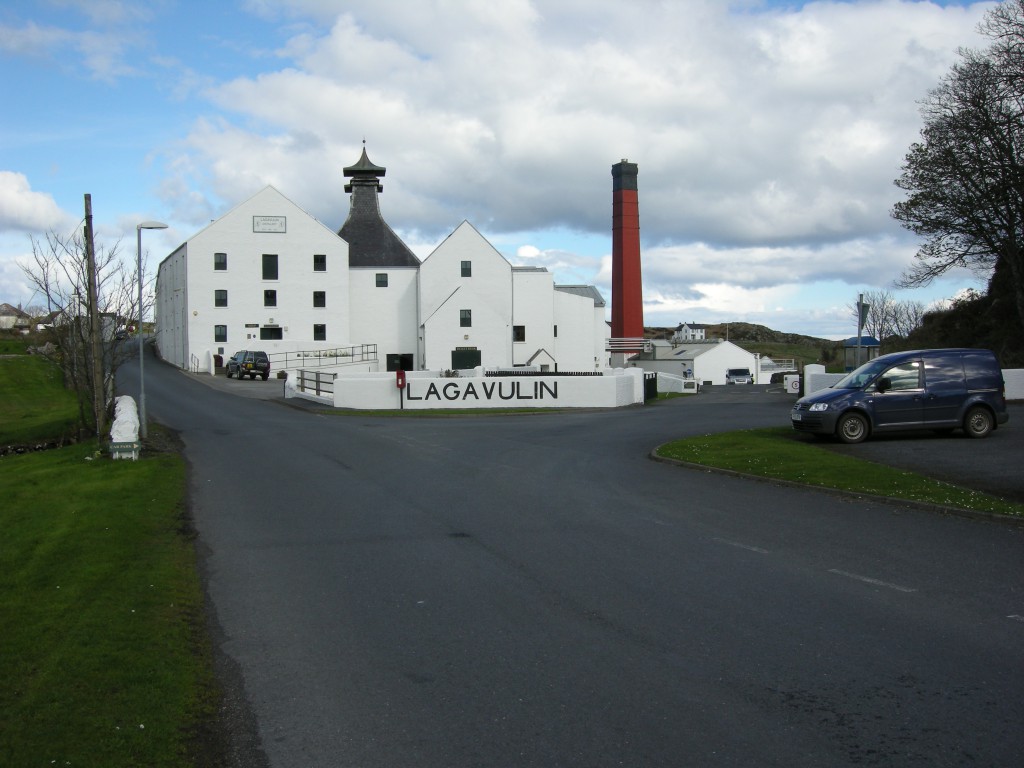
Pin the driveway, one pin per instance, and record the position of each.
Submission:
(533, 591)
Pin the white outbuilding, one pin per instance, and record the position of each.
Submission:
(704, 361)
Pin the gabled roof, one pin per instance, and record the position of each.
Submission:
(9, 310)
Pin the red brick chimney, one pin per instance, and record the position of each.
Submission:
(627, 296)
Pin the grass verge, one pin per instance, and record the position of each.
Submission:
(104, 653)
(34, 405)
(779, 454)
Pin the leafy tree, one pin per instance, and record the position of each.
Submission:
(59, 272)
(965, 178)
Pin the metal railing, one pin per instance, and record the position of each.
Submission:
(319, 358)
(779, 365)
(319, 383)
(193, 363)
(627, 345)
(520, 372)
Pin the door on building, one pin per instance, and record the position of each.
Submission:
(399, 362)
(464, 358)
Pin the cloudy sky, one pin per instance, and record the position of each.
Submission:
(767, 133)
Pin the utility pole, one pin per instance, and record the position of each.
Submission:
(98, 395)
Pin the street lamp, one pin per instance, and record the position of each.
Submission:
(142, 381)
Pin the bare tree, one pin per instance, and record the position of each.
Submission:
(907, 317)
(59, 272)
(965, 178)
(888, 316)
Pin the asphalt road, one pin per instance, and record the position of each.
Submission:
(534, 591)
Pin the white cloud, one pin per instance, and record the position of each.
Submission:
(24, 210)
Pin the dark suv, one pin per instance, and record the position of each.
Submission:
(249, 362)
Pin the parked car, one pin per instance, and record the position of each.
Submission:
(248, 363)
(937, 389)
(738, 376)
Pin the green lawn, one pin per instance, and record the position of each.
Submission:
(104, 654)
(780, 453)
(34, 405)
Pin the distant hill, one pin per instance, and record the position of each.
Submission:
(737, 332)
(765, 341)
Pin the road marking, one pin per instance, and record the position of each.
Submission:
(868, 580)
(747, 547)
(1015, 617)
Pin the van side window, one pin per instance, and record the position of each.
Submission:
(904, 377)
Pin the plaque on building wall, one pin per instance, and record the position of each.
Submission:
(270, 224)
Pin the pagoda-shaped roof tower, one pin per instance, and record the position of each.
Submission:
(371, 242)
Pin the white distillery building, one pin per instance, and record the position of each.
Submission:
(267, 275)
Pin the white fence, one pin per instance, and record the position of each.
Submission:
(669, 382)
(474, 389)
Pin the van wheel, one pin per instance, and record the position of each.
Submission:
(852, 428)
(978, 422)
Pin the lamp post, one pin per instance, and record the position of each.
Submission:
(142, 381)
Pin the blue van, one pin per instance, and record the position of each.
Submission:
(937, 389)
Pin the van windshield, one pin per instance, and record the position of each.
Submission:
(859, 378)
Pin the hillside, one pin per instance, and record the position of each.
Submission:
(774, 344)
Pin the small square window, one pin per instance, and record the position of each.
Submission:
(220, 333)
(319, 298)
(320, 332)
(270, 298)
(467, 269)
(466, 318)
(220, 298)
(382, 279)
(220, 261)
(319, 262)
(270, 266)
(518, 333)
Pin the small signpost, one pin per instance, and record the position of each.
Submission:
(400, 383)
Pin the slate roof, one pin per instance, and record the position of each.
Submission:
(371, 242)
(588, 291)
(11, 311)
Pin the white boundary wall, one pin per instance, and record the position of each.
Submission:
(1014, 378)
(471, 389)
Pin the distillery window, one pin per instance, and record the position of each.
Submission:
(270, 266)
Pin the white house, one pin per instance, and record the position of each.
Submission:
(689, 332)
(13, 317)
(267, 275)
(706, 361)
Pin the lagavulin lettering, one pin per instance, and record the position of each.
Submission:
(454, 391)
